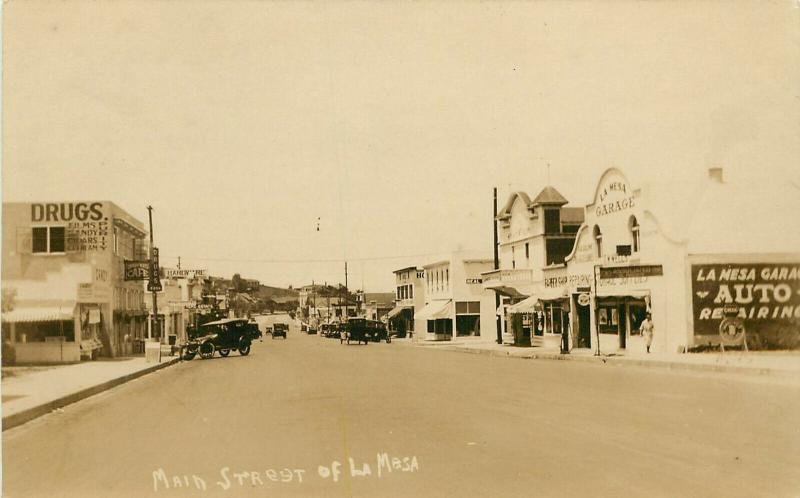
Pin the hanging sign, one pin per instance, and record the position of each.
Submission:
(584, 299)
(137, 270)
(154, 284)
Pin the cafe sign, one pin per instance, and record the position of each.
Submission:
(766, 296)
(137, 270)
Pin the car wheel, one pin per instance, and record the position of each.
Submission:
(388, 339)
(206, 350)
(244, 348)
(224, 352)
(188, 356)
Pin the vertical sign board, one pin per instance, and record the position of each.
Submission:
(154, 285)
(767, 297)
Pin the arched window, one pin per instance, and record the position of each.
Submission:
(598, 241)
(633, 226)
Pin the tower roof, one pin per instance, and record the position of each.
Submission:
(549, 195)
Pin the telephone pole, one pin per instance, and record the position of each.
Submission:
(498, 323)
(154, 321)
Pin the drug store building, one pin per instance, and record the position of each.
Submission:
(683, 252)
(65, 298)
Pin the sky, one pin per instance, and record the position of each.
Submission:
(387, 124)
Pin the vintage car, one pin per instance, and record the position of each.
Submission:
(221, 336)
(356, 330)
(378, 331)
(279, 330)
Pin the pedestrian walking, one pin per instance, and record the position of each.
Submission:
(647, 328)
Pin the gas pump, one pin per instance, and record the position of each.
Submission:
(732, 331)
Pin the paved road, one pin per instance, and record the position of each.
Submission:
(457, 424)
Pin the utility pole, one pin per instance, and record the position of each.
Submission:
(345, 289)
(498, 318)
(154, 322)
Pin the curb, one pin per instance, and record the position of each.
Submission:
(29, 414)
(620, 361)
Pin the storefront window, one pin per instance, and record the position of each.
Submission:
(41, 331)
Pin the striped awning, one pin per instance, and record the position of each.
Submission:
(30, 314)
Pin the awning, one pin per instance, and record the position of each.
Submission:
(505, 290)
(525, 306)
(552, 294)
(397, 310)
(435, 310)
(29, 314)
(620, 293)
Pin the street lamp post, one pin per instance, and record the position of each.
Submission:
(596, 321)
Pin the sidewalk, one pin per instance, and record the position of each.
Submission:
(771, 363)
(30, 392)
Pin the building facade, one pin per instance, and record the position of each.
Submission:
(534, 238)
(456, 305)
(409, 296)
(686, 255)
(63, 274)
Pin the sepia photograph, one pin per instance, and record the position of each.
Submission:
(359, 248)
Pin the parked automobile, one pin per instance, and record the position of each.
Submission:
(378, 332)
(335, 330)
(222, 336)
(279, 330)
(355, 330)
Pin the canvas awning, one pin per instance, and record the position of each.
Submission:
(525, 306)
(435, 310)
(397, 310)
(620, 293)
(528, 304)
(32, 313)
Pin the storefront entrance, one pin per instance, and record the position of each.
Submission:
(584, 325)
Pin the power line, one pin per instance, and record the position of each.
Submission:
(337, 260)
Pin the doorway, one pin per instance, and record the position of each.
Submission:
(584, 327)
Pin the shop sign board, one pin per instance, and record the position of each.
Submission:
(631, 271)
(766, 296)
(137, 270)
(474, 280)
(584, 299)
(175, 273)
(86, 223)
(92, 293)
(154, 284)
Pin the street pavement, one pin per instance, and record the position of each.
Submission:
(286, 420)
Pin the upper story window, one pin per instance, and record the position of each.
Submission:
(447, 278)
(633, 226)
(410, 291)
(513, 258)
(527, 251)
(48, 240)
(552, 220)
(598, 241)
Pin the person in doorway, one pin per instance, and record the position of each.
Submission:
(647, 329)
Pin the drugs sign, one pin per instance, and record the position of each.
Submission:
(137, 270)
(154, 284)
